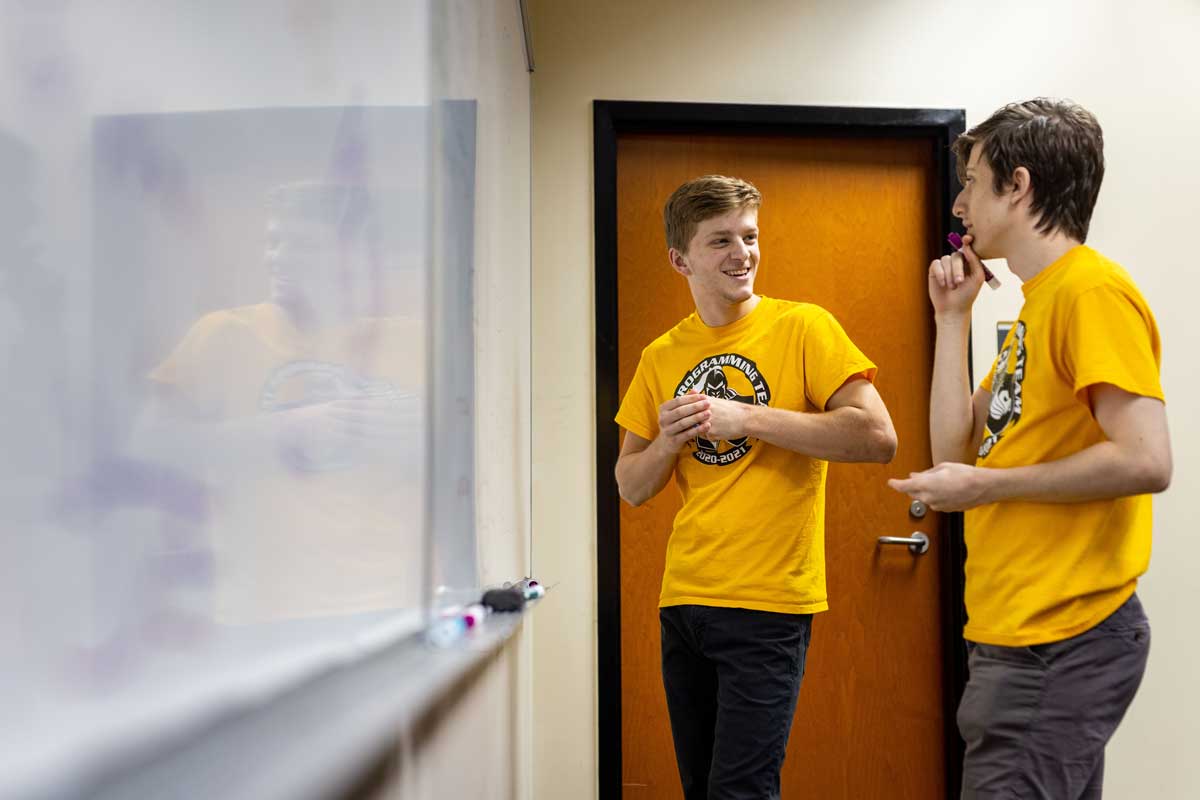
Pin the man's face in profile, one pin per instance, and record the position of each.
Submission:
(311, 265)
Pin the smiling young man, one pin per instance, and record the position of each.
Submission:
(1053, 458)
(744, 401)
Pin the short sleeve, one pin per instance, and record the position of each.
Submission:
(830, 359)
(986, 383)
(639, 408)
(1113, 338)
(195, 370)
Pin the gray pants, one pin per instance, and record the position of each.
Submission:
(1036, 719)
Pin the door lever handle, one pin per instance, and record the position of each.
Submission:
(918, 543)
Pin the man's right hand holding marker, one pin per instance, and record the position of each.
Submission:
(955, 280)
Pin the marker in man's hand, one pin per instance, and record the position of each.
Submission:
(957, 243)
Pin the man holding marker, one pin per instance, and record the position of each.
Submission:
(1053, 458)
(744, 401)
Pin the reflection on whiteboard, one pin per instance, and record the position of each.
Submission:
(258, 336)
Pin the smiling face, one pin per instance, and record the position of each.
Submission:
(720, 264)
(319, 240)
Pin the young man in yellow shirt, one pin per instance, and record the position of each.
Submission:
(744, 401)
(1053, 459)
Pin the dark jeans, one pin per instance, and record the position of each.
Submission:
(732, 677)
(1036, 719)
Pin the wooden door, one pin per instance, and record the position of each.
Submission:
(848, 224)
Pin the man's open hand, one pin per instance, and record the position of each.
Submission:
(947, 487)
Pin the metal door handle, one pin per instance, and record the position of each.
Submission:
(918, 543)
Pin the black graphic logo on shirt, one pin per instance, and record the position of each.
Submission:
(1005, 409)
(728, 376)
(312, 446)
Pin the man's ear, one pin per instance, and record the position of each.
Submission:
(1022, 185)
(679, 262)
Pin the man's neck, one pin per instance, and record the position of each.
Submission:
(309, 320)
(716, 315)
(1032, 255)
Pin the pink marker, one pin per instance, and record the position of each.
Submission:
(957, 243)
(474, 615)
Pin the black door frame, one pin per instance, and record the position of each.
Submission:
(612, 118)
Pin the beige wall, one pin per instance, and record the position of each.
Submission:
(462, 747)
(476, 743)
(484, 743)
(1136, 67)
(483, 58)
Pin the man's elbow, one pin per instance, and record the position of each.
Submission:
(1148, 472)
(883, 447)
(627, 492)
(1156, 475)
(871, 439)
(889, 445)
(629, 497)
(873, 448)
(883, 442)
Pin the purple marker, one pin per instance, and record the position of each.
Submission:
(957, 243)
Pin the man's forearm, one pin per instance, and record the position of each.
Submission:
(843, 434)
(643, 474)
(951, 416)
(1100, 472)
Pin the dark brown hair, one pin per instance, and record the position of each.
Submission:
(1061, 145)
(701, 199)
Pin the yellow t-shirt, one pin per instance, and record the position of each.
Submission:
(1043, 572)
(751, 533)
(314, 525)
